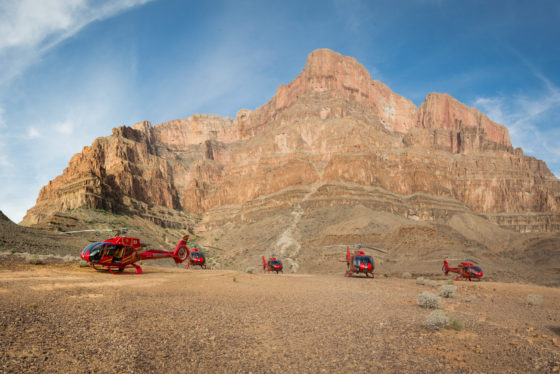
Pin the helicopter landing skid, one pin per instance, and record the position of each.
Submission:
(120, 270)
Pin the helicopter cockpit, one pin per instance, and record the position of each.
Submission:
(367, 261)
(197, 256)
(474, 271)
(275, 264)
(93, 252)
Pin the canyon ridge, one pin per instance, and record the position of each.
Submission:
(335, 158)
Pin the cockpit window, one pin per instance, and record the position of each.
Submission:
(275, 262)
(95, 251)
(358, 260)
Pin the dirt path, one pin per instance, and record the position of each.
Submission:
(68, 319)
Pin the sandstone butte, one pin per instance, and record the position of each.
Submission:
(331, 140)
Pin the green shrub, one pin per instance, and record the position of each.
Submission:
(429, 300)
(420, 280)
(455, 324)
(406, 275)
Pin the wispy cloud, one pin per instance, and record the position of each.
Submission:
(532, 120)
(33, 133)
(30, 28)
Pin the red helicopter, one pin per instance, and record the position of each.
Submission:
(466, 270)
(120, 252)
(358, 262)
(273, 264)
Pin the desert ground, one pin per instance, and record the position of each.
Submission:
(60, 317)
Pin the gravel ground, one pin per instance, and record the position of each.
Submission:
(62, 318)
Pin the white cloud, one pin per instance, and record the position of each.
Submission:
(532, 121)
(2, 121)
(65, 128)
(29, 28)
(33, 133)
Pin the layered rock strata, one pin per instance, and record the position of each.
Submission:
(332, 125)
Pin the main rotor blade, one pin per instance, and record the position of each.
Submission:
(377, 249)
(209, 246)
(91, 230)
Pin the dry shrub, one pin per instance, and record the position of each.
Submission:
(429, 300)
(533, 300)
(406, 275)
(250, 270)
(447, 290)
(431, 283)
(436, 320)
(35, 260)
(420, 280)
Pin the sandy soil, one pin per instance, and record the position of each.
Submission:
(62, 318)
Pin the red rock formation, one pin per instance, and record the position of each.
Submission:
(332, 124)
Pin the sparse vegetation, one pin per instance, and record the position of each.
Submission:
(447, 290)
(250, 270)
(429, 300)
(35, 260)
(406, 275)
(431, 283)
(455, 323)
(420, 281)
(533, 300)
(235, 279)
(439, 319)
(436, 320)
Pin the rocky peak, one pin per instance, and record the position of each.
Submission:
(331, 124)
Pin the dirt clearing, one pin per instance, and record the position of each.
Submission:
(62, 318)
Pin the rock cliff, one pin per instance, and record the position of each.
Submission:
(333, 137)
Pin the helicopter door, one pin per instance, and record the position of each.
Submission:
(115, 251)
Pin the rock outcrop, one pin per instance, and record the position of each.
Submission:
(331, 126)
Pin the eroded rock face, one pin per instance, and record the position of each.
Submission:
(332, 124)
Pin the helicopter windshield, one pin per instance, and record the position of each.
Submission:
(272, 263)
(196, 255)
(474, 270)
(358, 260)
(92, 252)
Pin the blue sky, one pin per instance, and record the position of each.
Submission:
(72, 70)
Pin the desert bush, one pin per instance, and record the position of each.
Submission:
(386, 275)
(447, 290)
(436, 320)
(470, 299)
(420, 280)
(431, 283)
(250, 270)
(451, 281)
(533, 300)
(406, 275)
(35, 260)
(455, 323)
(429, 300)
